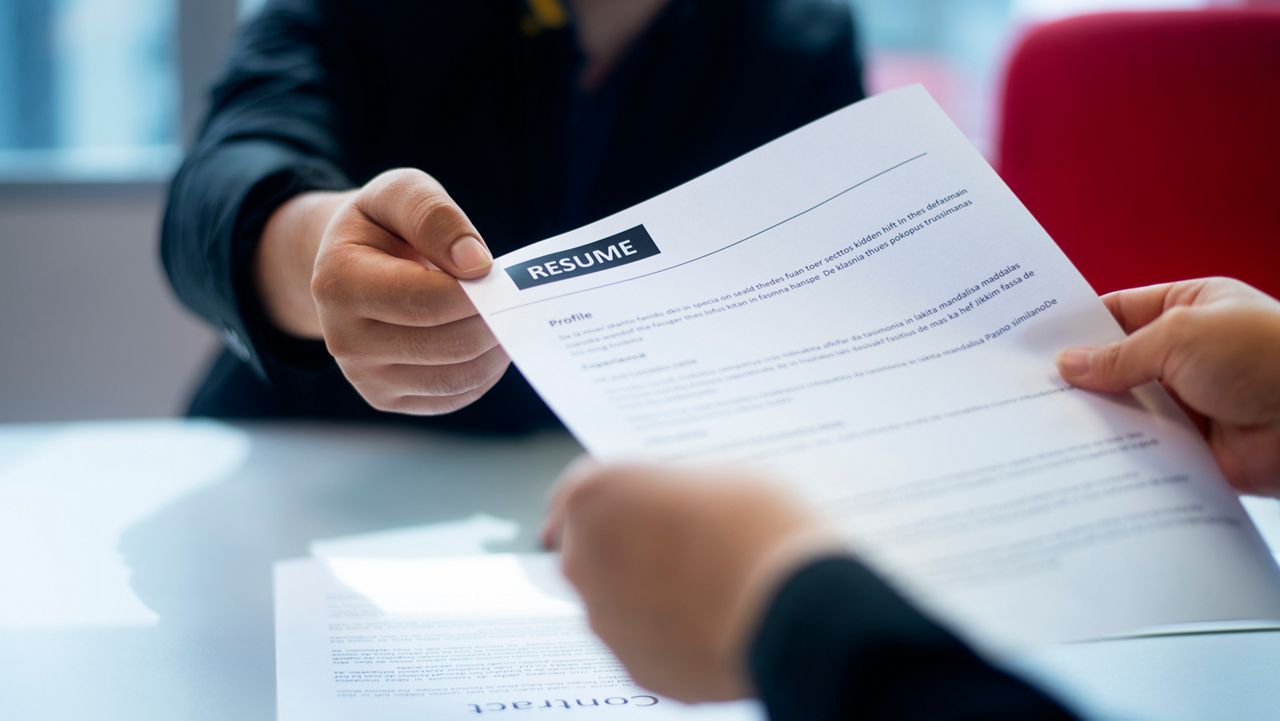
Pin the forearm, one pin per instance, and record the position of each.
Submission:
(285, 257)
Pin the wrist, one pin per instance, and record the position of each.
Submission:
(765, 581)
(285, 258)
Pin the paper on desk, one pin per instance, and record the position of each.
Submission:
(497, 636)
(863, 308)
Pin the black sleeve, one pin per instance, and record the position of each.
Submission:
(838, 643)
(270, 135)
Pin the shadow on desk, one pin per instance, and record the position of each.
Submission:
(203, 563)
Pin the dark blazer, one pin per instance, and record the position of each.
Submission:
(837, 643)
(325, 94)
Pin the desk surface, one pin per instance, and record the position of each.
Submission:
(137, 565)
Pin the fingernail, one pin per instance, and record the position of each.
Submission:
(1074, 362)
(469, 254)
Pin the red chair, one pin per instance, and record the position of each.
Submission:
(1148, 143)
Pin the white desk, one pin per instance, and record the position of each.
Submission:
(136, 565)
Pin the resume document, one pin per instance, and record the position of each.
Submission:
(865, 311)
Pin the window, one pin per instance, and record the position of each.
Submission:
(107, 90)
(94, 89)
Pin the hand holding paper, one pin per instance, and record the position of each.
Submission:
(1215, 345)
(676, 567)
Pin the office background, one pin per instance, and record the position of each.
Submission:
(99, 97)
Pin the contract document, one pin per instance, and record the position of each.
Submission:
(863, 309)
(497, 636)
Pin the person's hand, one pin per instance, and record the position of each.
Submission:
(676, 567)
(1215, 345)
(382, 291)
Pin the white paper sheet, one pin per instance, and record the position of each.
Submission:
(865, 309)
(497, 636)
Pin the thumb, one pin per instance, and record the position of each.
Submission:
(415, 207)
(1138, 359)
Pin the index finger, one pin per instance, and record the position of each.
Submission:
(402, 292)
(1136, 307)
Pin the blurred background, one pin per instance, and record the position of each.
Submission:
(98, 98)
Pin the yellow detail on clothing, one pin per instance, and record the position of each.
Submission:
(544, 15)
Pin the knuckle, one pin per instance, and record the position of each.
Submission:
(1180, 322)
(463, 379)
(462, 347)
(426, 394)
(422, 380)
(426, 307)
(431, 211)
(587, 493)
(373, 387)
(1109, 357)
(447, 404)
(480, 376)
(381, 402)
(327, 286)
(451, 349)
(340, 345)
(435, 305)
(398, 181)
(408, 404)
